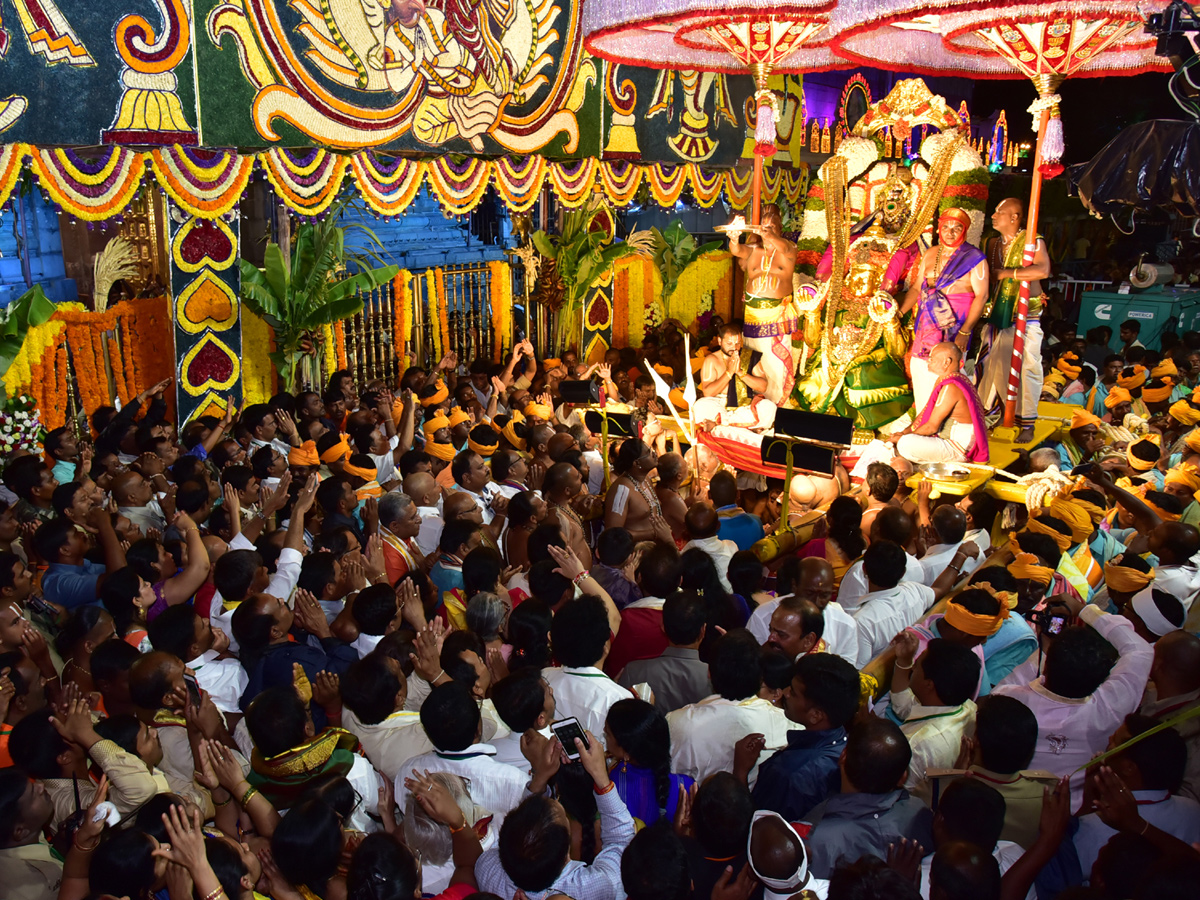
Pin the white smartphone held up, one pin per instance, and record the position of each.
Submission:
(566, 730)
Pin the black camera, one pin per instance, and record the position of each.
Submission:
(1171, 24)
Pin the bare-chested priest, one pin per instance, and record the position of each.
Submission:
(631, 502)
(951, 427)
(769, 312)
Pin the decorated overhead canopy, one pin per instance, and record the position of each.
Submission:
(711, 35)
(996, 40)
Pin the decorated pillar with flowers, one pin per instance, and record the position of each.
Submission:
(205, 285)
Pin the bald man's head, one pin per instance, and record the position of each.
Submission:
(539, 438)
(671, 469)
(458, 505)
(1174, 543)
(776, 852)
(814, 581)
(1176, 668)
(701, 521)
(421, 488)
(560, 443)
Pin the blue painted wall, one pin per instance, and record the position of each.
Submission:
(44, 251)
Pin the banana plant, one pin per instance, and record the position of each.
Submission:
(32, 308)
(674, 250)
(583, 251)
(296, 300)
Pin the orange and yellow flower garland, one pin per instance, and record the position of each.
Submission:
(502, 301)
(339, 344)
(402, 314)
(439, 286)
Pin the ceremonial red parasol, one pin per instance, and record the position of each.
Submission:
(763, 37)
(1045, 42)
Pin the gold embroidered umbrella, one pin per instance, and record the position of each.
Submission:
(763, 37)
(1045, 42)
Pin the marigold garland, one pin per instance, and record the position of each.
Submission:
(430, 300)
(328, 354)
(257, 386)
(439, 287)
(402, 315)
(620, 307)
(339, 344)
(501, 301)
(309, 181)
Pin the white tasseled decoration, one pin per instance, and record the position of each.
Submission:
(1052, 143)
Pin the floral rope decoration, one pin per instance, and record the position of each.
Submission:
(501, 301)
(257, 382)
(87, 190)
(620, 307)
(402, 315)
(328, 354)
(443, 312)
(339, 344)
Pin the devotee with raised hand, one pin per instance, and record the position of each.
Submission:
(1080, 665)
(949, 292)
(1152, 771)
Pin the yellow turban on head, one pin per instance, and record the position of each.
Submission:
(1073, 513)
(1028, 567)
(677, 399)
(1166, 367)
(483, 441)
(1144, 465)
(1055, 378)
(440, 451)
(457, 416)
(1192, 439)
(1116, 396)
(696, 363)
(539, 411)
(438, 397)
(1081, 418)
(964, 620)
(1065, 365)
(1158, 394)
(1136, 380)
(304, 455)
(441, 420)
(510, 434)
(1127, 581)
(551, 364)
(1196, 394)
(665, 371)
(360, 471)
(1052, 389)
(1037, 526)
(1095, 513)
(1185, 474)
(1184, 413)
(340, 450)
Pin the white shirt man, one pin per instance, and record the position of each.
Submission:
(935, 734)
(841, 631)
(585, 693)
(854, 583)
(281, 585)
(385, 463)
(703, 734)
(390, 744)
(1177, 816)
(885, 613)
(494, 786)
(224, 679)
(508, 748)
(938, 556)
(721, 552)
(431, 529)
(1071, 731)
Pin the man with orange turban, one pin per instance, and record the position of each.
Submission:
(1119, 404)
(1007, 269)
(1083, 440)
(949, 291)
